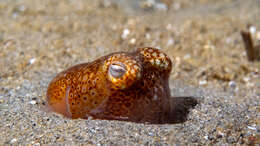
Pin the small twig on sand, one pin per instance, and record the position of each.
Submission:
(246, 35)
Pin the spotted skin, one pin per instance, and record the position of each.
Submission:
(135, 90)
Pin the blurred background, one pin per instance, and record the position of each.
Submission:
(201, 36)
(39, 38)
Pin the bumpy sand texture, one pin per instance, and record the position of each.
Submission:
(41, 38)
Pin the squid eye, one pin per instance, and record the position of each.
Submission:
(117, 70)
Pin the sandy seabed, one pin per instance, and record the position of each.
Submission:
(41, 38)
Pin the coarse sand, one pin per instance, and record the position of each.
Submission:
(215, 89)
